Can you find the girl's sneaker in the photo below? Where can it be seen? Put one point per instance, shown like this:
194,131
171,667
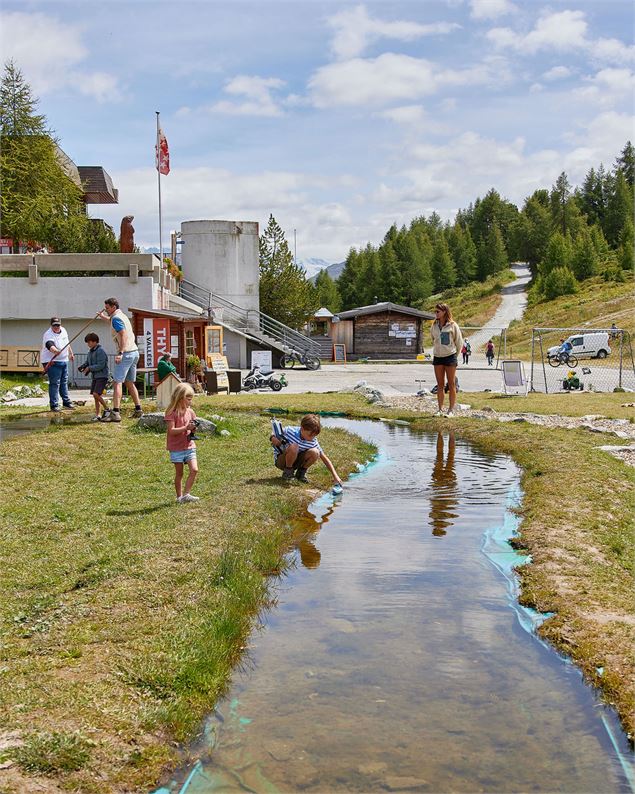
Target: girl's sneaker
438,413
187,497
96,418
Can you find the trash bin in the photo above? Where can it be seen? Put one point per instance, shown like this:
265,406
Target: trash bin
234,376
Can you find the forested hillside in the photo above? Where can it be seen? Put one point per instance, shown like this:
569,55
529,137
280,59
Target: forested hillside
566,235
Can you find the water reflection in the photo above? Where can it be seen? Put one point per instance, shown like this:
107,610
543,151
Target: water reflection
444,496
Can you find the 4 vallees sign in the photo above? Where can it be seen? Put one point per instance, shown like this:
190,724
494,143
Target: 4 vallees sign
156,340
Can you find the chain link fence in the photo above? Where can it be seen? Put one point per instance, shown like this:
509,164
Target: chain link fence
599,359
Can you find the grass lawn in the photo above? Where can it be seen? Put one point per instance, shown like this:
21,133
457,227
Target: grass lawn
124,613
475,304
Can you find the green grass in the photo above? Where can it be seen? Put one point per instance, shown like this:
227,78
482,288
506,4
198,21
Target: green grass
476,303
9,380
122,613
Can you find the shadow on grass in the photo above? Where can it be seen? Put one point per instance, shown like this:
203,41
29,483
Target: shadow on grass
140,511
275,480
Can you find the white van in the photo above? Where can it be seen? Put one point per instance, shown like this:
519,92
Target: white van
594,344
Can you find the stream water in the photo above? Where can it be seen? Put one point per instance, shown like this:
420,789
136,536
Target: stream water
398,658
32,423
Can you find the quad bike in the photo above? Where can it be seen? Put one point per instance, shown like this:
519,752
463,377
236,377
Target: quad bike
256,380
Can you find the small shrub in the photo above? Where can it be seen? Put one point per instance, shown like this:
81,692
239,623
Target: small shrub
559,281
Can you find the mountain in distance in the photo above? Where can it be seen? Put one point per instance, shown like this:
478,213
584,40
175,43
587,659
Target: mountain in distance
313,266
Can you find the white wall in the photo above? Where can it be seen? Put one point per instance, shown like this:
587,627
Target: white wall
223,257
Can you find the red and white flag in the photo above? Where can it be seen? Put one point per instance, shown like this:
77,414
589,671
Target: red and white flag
162,154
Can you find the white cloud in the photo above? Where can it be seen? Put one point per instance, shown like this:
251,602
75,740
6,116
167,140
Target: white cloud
355,30
50,53
257,91
557,73
392,78
490,9
562,31
608,87
406,114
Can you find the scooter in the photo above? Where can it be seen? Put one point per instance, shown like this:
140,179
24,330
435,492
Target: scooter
256,380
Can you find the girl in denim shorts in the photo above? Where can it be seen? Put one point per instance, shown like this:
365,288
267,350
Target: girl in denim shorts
179,419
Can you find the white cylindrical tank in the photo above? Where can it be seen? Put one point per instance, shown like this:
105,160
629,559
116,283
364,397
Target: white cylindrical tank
223,257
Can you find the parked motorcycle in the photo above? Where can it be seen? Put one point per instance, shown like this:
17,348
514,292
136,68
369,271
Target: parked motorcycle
255,379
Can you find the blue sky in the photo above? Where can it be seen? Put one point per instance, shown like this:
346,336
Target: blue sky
338,118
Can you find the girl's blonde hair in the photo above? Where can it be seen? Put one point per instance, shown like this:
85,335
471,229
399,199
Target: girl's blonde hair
443,307
177,403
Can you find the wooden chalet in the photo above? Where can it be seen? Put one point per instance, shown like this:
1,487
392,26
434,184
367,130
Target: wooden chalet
382,330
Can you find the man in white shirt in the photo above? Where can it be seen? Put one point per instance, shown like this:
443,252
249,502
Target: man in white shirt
56,352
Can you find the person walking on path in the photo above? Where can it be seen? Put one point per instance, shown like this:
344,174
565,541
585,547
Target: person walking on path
56,353
489,353
466,352
447,340
180,420
125,360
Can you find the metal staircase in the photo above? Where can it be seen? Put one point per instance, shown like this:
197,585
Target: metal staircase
250,322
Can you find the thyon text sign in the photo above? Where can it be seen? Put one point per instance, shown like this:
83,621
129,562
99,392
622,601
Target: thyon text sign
156,340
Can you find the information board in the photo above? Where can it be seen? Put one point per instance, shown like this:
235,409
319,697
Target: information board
219,365
339,354
263,359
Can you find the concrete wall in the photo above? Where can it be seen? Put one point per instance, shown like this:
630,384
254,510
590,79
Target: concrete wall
79,262
223,257
26,309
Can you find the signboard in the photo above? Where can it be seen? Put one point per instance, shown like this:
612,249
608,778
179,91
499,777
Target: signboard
263,359
339,354
156,340
406,330
219,365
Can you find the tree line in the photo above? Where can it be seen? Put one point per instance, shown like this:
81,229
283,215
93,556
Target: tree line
566,235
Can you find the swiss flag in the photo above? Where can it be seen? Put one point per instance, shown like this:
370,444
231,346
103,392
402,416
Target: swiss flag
162,154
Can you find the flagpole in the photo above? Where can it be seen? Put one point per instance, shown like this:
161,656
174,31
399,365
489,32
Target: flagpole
158,164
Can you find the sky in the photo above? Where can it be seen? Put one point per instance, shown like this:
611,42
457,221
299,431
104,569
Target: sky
337,118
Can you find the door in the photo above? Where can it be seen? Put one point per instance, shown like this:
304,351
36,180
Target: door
213,341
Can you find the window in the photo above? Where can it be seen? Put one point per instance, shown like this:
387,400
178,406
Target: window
576,340
190,346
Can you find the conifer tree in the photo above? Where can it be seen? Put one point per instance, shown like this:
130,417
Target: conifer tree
285,293
327,293
348,282
39,200
463,253
390,276
584,260
626,164
557,255
619,209
443,270
371,276
626,251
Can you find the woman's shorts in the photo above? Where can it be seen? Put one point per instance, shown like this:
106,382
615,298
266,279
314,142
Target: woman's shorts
97,385
446,361
182,455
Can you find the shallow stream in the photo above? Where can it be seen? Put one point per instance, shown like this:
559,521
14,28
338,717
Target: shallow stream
398,658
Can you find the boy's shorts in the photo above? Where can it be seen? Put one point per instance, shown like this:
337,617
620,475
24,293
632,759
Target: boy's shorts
97,385
126,369
297,463
182,455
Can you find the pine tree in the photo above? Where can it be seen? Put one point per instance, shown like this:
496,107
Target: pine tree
443,270
371,284
348,282
626,251
560,201
463,253
327,293
40,202
285,293
584,261
619,209
626,164
390,276
557,255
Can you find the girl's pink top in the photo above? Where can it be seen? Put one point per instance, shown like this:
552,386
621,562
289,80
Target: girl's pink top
180,441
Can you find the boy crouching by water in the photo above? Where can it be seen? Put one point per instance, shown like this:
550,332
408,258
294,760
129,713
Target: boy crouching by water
299,449
179,418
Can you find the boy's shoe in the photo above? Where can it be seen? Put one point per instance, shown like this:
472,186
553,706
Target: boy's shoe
113,416
96,418
300,475
137,413
105,415
187,497
287,475
450,414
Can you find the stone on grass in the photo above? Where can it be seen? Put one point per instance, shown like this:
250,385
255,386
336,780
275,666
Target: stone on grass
223,432
9,396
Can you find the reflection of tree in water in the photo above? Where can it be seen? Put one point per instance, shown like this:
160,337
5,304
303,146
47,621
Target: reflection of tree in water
444,496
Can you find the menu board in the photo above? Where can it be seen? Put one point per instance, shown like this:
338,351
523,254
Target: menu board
218,364
339,354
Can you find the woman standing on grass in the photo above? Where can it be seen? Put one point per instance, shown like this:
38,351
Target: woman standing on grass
447,340
179,419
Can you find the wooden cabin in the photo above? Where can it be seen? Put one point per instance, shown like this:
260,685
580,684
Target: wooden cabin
382,330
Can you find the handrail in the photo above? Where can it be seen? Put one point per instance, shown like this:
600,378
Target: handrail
252,320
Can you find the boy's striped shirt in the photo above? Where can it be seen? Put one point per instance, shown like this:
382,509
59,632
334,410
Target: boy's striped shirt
293,436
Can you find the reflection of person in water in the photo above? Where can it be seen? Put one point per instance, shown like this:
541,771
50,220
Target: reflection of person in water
309,554
444,496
